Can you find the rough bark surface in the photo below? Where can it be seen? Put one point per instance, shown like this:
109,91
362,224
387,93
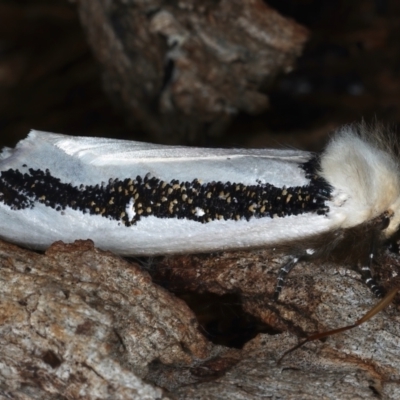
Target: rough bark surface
359,364
81,323
84,324
182,69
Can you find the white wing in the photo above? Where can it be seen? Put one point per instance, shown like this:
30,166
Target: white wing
74,162
86,160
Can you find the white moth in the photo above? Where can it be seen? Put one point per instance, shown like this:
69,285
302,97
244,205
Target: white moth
143,199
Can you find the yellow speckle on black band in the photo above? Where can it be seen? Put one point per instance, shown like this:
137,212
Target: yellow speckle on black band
130,200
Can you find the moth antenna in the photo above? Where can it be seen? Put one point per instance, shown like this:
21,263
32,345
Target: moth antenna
372,312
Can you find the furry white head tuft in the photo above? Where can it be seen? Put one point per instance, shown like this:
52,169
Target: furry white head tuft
365,177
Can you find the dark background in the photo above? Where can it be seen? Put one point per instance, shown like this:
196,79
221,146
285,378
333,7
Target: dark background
350,69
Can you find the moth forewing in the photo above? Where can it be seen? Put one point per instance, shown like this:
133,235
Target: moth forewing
144,199
156,199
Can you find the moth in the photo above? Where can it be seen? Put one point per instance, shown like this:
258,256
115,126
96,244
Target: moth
145,199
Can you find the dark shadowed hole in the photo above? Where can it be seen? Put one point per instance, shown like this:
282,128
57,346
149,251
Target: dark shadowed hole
168,72
222,319
375,391
50,358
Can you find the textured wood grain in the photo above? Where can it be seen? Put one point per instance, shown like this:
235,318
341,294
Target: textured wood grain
81,323
84,323
183,69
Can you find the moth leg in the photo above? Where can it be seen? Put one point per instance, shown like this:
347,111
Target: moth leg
366,275
382,223
283,271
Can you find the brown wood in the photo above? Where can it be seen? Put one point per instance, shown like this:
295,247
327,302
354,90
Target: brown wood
81,323
181,70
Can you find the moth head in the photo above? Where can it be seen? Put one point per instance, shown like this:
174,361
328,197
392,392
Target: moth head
365,174
393,227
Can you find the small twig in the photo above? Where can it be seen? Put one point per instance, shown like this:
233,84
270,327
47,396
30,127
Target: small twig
320,335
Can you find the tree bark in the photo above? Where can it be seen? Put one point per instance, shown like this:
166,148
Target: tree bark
81,323
182,69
